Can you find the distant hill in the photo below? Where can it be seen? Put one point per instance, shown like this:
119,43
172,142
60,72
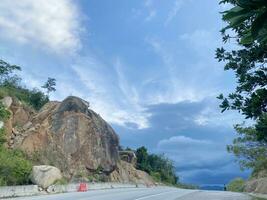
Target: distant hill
212,187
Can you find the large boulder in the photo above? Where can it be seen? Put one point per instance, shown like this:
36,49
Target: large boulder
45,175
71,137
7,101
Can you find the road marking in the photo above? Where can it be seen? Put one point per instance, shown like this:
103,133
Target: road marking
154,195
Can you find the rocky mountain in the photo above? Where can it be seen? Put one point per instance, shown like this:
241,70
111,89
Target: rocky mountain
71,137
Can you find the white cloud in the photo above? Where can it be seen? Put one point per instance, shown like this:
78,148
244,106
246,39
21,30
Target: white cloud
202,41
151,15
178,87
53,25
110,93
174,11
181,140
152,12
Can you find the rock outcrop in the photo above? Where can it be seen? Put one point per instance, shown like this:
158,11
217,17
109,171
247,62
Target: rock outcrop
257,182
71,137
45,175
128,156
256,186
126,172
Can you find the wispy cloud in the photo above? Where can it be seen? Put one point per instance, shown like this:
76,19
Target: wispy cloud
113,96
49,24
152,12
174,11
151,15
178,87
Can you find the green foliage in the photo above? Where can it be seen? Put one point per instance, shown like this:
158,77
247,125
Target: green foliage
6,69
10,85
2,137
158,166
248,23
50,85
250,147
15,169
249,19
247,26
4,113
236,185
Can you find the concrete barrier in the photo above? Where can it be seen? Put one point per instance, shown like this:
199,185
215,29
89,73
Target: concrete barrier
90,186
18,191
31,190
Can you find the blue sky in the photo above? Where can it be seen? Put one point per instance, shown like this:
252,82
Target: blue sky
147,67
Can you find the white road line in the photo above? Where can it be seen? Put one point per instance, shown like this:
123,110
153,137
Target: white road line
154,195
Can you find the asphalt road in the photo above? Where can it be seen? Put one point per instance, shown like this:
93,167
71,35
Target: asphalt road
158,193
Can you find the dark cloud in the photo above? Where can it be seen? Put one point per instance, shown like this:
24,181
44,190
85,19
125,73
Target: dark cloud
198,150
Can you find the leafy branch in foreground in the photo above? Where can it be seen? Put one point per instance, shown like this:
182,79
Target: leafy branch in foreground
247,27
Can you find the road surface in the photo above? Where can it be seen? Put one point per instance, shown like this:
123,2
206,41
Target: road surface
158,193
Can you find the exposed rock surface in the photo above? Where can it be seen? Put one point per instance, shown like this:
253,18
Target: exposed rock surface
257,182
71,137
257,186
7,101
20,114
128,156
45,175
127,173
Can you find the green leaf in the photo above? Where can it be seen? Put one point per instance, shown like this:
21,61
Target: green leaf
258,24
251,4
247,39
234,12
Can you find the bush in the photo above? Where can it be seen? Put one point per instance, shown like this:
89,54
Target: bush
15,169
34,98
158,166
236,185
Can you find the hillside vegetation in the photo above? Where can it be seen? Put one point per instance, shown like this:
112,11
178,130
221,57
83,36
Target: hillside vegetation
15,168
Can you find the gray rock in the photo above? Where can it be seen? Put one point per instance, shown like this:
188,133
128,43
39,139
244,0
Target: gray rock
128,156
45,175
7,101
257,186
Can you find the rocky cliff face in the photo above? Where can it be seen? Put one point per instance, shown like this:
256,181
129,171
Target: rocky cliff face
71,137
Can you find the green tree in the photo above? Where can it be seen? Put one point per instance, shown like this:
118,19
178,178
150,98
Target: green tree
158,166
50,85
247,23
15,169
247,27
236,185
142,159
6,69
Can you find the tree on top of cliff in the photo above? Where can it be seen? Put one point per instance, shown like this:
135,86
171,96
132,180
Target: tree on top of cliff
50,85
